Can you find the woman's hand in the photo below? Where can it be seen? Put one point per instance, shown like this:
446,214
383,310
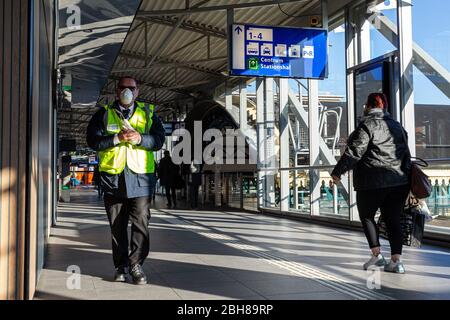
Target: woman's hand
336,179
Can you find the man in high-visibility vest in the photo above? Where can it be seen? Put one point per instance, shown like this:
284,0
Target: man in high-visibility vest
125,134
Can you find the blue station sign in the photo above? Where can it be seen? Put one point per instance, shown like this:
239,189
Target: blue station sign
263,51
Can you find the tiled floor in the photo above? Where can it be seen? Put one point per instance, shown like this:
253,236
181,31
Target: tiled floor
230,255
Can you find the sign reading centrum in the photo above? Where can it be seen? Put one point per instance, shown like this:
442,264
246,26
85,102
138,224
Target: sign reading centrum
263,51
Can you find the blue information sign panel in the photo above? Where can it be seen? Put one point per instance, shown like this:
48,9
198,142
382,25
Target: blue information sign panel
263,51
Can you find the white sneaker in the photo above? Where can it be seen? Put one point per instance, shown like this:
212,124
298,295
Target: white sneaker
395,267
377,261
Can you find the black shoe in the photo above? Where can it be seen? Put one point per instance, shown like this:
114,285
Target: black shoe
169,206
120,275
138,274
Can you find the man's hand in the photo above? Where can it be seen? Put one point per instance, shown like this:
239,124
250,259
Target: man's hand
129,136
336,179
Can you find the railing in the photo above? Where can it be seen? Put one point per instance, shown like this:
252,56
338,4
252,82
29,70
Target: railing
239,190
334,202
324,112
438,203
332,199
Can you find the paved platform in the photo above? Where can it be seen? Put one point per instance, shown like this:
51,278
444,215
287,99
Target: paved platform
230,255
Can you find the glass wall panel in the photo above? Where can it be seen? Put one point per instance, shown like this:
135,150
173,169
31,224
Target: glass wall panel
439,201
233,192
299,132
333,125
249,188
367,80
299,147
299,191
431,81
334,199
271,145
333,95
431,58
277,189
375,26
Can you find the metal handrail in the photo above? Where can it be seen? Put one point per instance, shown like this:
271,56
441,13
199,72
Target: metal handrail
332,166
323,112
298,168
437,160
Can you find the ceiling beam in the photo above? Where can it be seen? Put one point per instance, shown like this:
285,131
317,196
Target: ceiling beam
74,111
172,33
204,60
189,26
190,43
139,26
187,64
174,12
161,61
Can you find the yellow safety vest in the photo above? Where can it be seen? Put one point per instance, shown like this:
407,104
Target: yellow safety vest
138,159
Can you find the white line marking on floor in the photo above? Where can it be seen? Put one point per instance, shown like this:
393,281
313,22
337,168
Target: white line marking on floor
313,273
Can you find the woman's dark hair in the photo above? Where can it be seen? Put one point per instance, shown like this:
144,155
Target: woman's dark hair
374,99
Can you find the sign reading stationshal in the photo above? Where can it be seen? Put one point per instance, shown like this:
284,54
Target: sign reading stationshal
262,51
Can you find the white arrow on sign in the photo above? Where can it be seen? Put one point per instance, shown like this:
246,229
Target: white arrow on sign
238,47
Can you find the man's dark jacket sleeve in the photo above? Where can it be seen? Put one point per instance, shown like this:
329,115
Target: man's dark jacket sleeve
96,137
356,148
156,137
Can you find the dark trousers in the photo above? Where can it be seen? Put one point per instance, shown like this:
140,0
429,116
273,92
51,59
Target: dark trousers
194,195
99,190
391,202
171,195
120,211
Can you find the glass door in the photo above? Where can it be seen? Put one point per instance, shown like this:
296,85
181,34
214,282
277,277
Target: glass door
374,76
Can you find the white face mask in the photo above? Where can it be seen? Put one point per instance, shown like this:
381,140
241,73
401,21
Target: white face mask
126,97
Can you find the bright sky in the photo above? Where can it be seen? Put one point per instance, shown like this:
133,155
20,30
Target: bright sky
431,31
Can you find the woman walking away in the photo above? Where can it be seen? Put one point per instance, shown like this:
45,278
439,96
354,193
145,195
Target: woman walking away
379,157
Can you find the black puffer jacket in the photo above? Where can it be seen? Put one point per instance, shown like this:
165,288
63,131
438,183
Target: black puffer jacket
377,153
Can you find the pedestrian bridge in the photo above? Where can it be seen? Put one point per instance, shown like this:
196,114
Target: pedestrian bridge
210,254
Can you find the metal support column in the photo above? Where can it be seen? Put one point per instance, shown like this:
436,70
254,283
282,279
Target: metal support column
284,143
261,141
228,98
325,19
406,71
217,188
243,105
227,184
206,189
270,157
335,199
314,146
228,89
351,57
364,41
241,191
55,177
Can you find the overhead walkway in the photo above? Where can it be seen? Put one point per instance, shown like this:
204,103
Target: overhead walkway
229,255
